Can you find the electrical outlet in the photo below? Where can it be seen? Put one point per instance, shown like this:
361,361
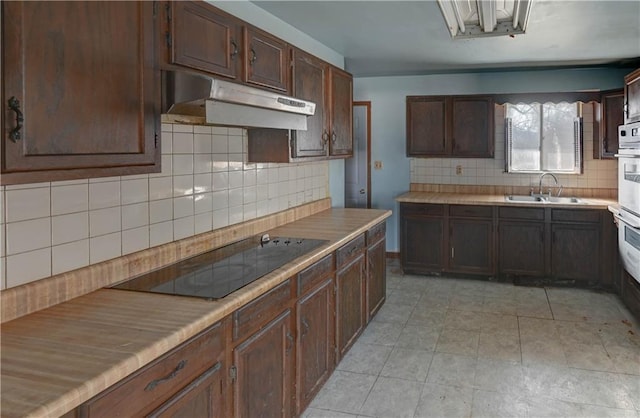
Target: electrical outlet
377,165
458,170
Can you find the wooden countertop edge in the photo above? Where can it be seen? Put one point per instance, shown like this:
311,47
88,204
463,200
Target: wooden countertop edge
496,200
216,311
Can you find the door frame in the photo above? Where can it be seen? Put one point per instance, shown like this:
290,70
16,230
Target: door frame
367,105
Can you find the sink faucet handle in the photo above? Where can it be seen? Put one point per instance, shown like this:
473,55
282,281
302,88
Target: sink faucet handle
559,190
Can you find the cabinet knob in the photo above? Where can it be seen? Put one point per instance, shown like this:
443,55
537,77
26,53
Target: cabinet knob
334,137
254,57
234,52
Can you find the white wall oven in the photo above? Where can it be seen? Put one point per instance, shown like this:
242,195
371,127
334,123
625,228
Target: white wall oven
629,197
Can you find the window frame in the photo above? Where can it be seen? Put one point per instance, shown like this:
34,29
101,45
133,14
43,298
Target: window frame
578,141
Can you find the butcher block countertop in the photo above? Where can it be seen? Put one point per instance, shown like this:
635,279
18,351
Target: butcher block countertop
497,200
53,360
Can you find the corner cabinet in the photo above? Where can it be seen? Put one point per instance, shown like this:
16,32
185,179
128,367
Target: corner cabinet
450,126
608,115
89,105
632,96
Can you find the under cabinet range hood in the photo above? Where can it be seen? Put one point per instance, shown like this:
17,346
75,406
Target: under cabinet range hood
221,102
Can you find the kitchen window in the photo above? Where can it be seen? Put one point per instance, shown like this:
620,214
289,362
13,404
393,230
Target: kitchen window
543,138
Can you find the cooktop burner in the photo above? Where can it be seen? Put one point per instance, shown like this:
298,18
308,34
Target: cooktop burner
217,273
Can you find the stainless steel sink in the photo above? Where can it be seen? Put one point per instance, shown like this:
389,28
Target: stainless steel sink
542,199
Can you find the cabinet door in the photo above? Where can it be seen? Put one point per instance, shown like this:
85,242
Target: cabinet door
309,83
205,38
632,96
421,243
521,248
608,115
266,60
201,398
472,126
350,310
376,277
426,126
85,77
575,252
264,371
316,342
341,105
471,246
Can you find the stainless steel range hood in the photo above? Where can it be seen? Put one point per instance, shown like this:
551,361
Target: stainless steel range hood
220,102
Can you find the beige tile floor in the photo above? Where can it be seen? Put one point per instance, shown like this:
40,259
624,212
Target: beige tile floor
443,347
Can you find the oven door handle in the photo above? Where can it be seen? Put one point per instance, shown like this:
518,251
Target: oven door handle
627,221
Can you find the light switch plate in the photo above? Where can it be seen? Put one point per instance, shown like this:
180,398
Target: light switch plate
377,165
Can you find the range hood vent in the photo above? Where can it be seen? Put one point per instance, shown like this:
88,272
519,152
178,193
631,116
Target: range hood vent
220,102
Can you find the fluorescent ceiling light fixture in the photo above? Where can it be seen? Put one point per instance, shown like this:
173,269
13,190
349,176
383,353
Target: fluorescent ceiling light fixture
478,18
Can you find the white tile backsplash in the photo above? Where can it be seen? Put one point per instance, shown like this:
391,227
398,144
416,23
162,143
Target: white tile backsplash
205,184
485,171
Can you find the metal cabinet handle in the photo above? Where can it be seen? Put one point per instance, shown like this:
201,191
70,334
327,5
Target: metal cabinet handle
154,383
305,324
14,104
254,57
234,52
334,137
325,138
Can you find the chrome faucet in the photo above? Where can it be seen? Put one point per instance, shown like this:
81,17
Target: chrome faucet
554,178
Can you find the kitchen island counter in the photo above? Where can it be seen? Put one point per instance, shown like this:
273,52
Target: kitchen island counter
53,360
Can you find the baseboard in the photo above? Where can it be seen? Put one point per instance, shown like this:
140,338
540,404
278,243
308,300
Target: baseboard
393,255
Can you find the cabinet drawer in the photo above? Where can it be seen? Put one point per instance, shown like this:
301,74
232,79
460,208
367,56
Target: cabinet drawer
533,214
471,211
146,389
421,209
376,233
258,312
314,274
349,250
575,215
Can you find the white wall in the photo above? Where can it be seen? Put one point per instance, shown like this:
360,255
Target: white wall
388,115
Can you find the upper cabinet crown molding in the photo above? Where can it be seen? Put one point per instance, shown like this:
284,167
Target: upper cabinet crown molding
90,105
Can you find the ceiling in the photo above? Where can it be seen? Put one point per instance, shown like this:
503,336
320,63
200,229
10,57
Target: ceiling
382,38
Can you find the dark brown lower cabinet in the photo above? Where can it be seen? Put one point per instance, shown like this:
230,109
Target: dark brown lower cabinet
471,246
263,384
316,341
421,243
521,248
630,293
376,277
350,309
575,252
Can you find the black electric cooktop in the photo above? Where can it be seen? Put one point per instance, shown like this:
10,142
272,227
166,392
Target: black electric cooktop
217,273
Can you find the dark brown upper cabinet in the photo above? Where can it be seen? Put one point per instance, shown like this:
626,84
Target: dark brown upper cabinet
608,115
80,92
310,83
632,96
340,113
266,60
450,126
204,38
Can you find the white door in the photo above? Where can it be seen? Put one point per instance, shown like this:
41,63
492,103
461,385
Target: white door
357,168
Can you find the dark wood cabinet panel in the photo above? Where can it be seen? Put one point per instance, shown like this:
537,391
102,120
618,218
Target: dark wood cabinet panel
264,371
310,83
457,126
256,313
266,60
632,96
316,341
341,113
426,126
85,77
521,248
376,277
205,38
471,246
472,126
202,398
575,252
350,304
421,244
608,115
